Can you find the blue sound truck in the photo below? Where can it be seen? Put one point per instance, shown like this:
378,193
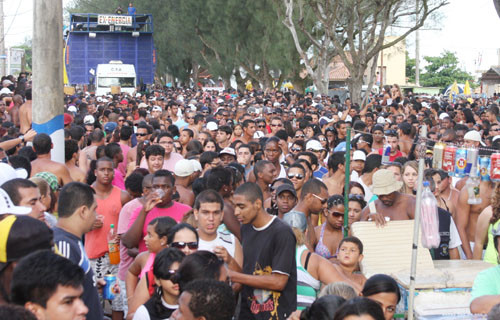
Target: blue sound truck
106,50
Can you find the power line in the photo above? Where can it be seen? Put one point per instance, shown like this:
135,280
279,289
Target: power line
12,22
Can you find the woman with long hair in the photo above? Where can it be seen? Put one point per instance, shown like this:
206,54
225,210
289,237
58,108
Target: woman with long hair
410,174
163,302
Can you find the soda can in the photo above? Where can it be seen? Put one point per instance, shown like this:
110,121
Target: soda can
471,165
449,159
386,153
484,168
460,162
109,291
495,167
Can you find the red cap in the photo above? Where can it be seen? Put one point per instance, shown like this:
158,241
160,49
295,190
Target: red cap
124,101
67,119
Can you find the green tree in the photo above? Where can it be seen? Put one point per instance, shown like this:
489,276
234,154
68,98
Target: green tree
441,71
410,68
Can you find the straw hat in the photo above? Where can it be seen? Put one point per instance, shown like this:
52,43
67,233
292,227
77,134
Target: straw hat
384,182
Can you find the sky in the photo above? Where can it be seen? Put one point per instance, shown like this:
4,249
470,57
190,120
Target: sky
470,28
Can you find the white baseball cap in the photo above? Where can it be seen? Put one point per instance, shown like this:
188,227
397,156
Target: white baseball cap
358,155
7,206
72,109
89,119
8,173
473,135
314,145
228,150
184,168
212,126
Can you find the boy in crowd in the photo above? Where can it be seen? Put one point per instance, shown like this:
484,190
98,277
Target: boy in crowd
349,257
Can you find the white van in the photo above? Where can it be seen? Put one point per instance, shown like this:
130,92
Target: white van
115,73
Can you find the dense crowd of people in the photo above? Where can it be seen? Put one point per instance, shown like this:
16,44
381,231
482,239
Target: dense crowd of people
229,205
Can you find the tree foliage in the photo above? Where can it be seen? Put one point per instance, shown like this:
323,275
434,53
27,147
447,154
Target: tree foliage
410,68
221,37
353,29
443,70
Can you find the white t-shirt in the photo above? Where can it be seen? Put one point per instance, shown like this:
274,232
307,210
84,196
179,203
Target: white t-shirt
224,239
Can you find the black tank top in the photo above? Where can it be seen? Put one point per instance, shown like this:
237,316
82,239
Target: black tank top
442,252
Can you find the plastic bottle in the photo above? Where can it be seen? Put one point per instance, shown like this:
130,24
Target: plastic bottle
114,248
472,186
429,220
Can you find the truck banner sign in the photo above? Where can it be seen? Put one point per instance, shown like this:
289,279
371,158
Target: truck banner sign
114,20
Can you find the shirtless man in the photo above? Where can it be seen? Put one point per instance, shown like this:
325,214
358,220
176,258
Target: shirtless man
25,113
14,112
390,203
248,131
71,152
336,168
184,177
42,144
468,214
89,153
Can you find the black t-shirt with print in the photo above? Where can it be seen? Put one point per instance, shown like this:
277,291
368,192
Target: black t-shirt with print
266,250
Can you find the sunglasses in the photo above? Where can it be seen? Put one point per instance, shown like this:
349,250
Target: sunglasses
299,136
323,200
336,214
261,126
169,275
182,245
297,175
356,197
322,139
141,134
275,125
121,120
296,149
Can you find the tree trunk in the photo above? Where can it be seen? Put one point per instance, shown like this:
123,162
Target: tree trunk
240,82
321,74
355,85
195,75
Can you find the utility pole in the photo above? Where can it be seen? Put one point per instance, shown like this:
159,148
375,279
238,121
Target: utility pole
417,50
2,41
48,104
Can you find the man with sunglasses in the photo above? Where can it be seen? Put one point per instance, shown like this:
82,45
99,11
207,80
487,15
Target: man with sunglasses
312,202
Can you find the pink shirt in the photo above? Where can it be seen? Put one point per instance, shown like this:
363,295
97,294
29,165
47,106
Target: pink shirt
167,164
122,166
123,221
118,180
176,212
